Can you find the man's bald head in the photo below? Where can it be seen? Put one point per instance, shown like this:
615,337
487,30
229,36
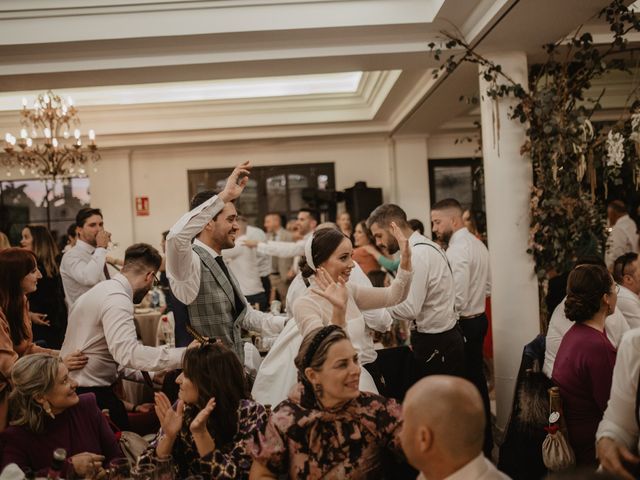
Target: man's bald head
449,413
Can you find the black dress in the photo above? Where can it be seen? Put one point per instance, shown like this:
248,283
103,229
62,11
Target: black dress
49,299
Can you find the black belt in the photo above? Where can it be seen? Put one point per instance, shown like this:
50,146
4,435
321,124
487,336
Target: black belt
472,316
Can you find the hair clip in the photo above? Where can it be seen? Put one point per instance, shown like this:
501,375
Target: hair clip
203,340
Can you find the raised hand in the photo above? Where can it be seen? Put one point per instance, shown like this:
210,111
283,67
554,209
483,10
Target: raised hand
170,419
199,424
335,292
75,361
403,244
236,182
103,238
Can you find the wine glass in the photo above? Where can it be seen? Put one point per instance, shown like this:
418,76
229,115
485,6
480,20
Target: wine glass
119,469
144,472
164,468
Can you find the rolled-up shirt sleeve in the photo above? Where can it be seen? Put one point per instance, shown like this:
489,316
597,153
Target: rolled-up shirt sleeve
183,264
120,334
282,249
267,324
619,420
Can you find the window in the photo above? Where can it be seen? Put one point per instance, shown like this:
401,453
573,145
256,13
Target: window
49,203
462,179
284,189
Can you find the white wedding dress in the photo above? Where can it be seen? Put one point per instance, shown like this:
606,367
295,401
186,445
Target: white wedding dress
278,374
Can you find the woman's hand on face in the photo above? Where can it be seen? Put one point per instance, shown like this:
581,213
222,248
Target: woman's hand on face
199,424
335,292
86,463
403,244
75,361
611,455
170,419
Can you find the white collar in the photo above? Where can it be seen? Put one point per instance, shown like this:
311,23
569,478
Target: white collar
458,234
474,469
82,245
210,250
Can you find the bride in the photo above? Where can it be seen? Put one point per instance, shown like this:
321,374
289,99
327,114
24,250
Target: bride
327,265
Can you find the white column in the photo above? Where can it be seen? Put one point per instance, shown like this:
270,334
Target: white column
408,156
508,181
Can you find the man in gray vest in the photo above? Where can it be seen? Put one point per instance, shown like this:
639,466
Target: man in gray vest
198,275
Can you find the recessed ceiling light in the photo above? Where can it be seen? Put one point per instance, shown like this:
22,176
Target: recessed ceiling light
239,88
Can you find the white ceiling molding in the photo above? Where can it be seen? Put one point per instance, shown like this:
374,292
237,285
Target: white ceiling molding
75,21
179,117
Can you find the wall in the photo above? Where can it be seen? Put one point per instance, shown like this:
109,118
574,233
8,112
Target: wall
398,166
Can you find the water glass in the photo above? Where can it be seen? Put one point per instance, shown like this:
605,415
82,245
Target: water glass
119,469
144,472
164,468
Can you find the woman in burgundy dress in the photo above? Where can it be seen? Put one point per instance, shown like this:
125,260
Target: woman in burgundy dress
584,365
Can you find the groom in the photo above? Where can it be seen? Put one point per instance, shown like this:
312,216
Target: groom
198,275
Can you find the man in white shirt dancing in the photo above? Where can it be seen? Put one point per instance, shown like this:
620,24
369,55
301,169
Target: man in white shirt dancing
84,265
199,277
101,326
436,339
469,260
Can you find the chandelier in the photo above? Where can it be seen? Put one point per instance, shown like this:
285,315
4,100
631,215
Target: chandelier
50,143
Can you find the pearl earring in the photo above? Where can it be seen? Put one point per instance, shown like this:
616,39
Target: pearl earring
47,408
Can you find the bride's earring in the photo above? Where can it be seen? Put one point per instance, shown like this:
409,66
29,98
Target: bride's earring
319,391
47,408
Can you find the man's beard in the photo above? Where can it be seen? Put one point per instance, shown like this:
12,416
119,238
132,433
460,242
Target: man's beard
445,236
392,246
139,295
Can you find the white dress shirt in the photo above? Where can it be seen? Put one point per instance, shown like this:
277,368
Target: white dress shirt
619,420
615,327
243,262
480,468
431,299
622,239
469,260
629,305
101,326
264,260
284,249
81,268
184,265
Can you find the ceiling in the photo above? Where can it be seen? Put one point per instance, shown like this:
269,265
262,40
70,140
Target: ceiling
203,70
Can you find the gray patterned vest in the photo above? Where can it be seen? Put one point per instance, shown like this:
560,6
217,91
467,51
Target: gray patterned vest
212,313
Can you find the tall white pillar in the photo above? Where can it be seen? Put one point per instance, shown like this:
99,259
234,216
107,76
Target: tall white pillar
508,181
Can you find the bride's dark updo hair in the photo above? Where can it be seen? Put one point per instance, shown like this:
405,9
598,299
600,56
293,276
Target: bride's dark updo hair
585,288
325,242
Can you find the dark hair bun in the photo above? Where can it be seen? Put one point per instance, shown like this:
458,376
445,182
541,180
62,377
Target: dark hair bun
585,288
580,309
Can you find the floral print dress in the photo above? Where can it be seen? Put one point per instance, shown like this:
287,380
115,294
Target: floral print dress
304,441
231,461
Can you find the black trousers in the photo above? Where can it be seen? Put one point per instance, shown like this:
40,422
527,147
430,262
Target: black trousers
438,353
474,330
107,399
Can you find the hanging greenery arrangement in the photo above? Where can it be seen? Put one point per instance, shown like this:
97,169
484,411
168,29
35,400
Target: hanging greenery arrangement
575,163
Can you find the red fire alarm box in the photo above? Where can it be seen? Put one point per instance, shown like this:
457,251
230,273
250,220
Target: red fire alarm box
142,206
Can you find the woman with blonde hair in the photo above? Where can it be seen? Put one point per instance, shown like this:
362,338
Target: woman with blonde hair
47,302
46,413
